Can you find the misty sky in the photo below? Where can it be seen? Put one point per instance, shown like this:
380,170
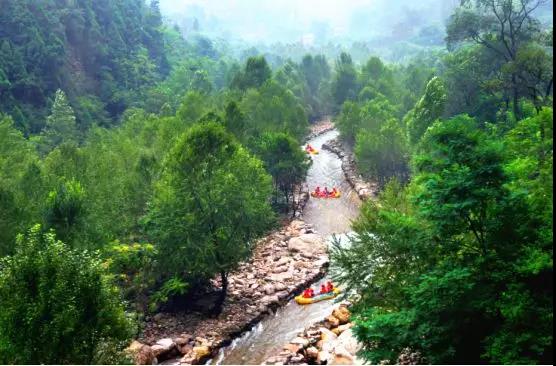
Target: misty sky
260,20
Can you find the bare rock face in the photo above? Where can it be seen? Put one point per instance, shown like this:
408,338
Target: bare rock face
164,349
308,245
141,353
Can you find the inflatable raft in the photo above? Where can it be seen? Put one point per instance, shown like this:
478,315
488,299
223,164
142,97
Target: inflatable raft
311,300
311,150
315,195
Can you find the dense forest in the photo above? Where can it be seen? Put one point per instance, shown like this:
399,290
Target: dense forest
137,164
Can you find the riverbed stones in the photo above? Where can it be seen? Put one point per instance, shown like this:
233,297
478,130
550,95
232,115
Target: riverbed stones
365,190
324,346
255,290
307,245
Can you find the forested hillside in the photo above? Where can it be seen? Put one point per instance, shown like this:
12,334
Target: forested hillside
101,53
138,165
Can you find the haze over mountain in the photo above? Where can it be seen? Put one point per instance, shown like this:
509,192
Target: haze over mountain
309,21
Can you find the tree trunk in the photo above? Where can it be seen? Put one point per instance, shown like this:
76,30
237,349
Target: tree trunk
222,296
515,97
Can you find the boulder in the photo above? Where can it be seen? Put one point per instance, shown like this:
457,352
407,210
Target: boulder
182,340
280,269
293,347
332,322
342,360
346,341
141,353
312,353
163,348
326,335
343,314
297,224
267,300
304,342
269,289
186,349
342,328
200,353
323,357
307,244
281,277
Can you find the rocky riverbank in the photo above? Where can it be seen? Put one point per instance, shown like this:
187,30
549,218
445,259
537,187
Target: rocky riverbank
329,342
365,190
320,128
283,263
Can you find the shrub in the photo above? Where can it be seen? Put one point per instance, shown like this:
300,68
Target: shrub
57,305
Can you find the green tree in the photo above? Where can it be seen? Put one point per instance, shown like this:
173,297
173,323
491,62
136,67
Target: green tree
17,157
427,110
344,82
286,163
254,75
60,125
274,108
382,154
58,305
65,211
504,28
428,258
209,206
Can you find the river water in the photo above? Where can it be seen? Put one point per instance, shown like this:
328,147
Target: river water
328,217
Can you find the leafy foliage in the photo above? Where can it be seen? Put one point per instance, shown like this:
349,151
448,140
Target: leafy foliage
428,258
285,162
58,305
210,204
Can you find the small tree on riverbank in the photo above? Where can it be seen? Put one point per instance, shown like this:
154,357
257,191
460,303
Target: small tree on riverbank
211,203
287,164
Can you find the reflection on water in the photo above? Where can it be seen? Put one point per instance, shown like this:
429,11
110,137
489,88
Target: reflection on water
328,216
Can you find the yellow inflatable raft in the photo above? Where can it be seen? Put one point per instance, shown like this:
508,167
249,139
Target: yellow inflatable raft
311,151
311,300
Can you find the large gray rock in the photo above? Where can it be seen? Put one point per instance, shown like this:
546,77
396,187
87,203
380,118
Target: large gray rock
307,244
346,341
163,348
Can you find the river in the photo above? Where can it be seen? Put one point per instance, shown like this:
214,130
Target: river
328,217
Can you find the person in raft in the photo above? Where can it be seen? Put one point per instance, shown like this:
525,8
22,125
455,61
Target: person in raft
326,193
329,286
334,192
308,293
317,191
323,289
